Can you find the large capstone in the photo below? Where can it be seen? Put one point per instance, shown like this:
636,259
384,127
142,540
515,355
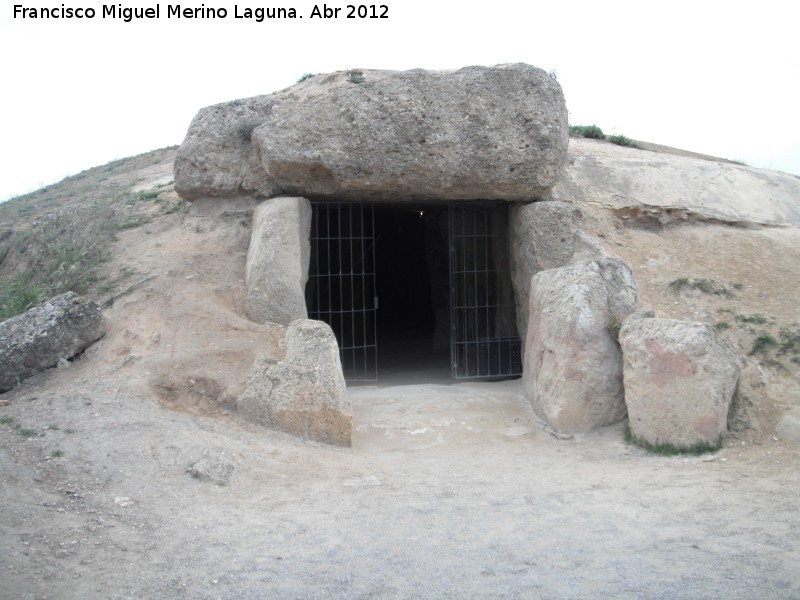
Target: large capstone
37,339
217,158
572,363
477,133
680,379
304,394
277,261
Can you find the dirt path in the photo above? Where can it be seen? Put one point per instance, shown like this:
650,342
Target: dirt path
448,492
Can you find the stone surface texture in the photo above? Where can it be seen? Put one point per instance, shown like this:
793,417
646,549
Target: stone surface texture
218,158
542,236
664,187
476,133
680,378
277,261
37,339
304,394
572,362
788,427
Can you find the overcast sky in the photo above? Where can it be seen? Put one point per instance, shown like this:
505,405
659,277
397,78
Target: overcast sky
720,78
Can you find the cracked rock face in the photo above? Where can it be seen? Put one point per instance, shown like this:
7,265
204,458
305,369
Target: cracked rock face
37,339
477,133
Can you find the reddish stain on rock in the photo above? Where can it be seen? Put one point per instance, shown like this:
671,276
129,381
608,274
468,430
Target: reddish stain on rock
668,366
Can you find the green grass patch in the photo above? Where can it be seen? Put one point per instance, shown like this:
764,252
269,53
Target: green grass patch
6,420
57,253
26,432
621,140
56,454
20,293
763,343
304,76
355,76
132,223
62,251
594,132
722,326
751,319
666,449
146,195
587,131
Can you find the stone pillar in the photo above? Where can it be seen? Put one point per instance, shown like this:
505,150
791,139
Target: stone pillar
573,363
541,237
304,394
277,261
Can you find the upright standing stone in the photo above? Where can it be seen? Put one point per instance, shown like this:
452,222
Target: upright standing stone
573,364
680,378
305,393
277,261
542,237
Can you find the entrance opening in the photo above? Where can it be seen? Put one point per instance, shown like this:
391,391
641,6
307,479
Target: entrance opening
412,283
414,292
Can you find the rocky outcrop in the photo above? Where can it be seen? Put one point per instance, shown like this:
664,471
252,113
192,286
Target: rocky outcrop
476,133
572,363
37,339
304,394
277,261
660,188
680,378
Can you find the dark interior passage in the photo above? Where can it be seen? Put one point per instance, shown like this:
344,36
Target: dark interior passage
401,273
414,293
412,283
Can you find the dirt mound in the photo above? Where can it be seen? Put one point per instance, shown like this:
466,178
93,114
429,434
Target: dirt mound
128,475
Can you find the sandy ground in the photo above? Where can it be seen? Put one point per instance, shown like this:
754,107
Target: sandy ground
448,492
129,475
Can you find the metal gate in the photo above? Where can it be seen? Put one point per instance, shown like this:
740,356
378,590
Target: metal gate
341,286
483,336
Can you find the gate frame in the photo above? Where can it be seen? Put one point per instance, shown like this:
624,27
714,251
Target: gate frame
354,325
475,312
474,352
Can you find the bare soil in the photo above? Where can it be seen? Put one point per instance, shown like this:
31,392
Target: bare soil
128,475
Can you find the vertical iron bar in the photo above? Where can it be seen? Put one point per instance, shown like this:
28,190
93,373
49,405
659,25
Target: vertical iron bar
363,306
329,267
373,277
476,352
329,306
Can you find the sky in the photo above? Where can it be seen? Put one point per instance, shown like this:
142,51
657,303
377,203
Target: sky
720,78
